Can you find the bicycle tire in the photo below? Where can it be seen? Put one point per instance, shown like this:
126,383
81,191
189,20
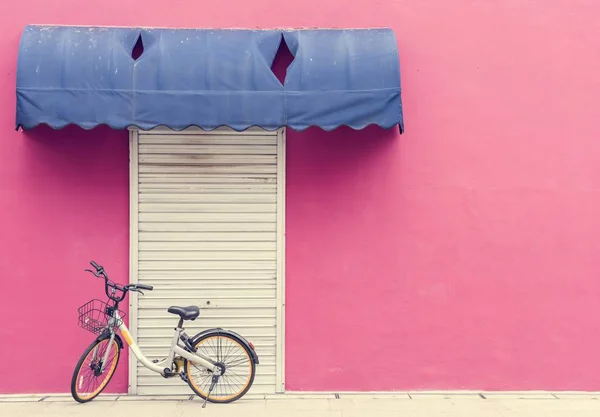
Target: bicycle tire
76,379
228,398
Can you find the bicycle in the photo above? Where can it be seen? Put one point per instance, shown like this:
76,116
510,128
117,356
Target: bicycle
235,363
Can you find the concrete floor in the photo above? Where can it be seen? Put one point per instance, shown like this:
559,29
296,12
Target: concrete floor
347,405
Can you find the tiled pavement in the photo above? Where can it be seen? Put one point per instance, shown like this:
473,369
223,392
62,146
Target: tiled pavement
421,404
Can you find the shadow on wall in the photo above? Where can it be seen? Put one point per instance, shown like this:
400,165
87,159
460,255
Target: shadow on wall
342,159
76,157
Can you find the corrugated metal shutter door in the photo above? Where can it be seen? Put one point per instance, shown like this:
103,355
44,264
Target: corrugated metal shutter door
207,236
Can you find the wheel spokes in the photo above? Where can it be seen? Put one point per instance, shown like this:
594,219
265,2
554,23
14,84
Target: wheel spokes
233,358
87,383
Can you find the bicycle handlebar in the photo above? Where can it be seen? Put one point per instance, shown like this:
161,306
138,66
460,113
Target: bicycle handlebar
139,288
116,287
144,287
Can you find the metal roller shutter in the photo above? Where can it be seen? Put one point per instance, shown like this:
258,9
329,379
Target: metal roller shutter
209,233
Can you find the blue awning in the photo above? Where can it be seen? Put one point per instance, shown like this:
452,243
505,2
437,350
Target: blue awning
87,76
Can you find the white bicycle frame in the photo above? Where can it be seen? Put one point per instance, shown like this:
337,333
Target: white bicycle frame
159,367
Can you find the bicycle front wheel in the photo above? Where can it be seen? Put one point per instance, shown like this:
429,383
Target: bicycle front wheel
91,374
237,368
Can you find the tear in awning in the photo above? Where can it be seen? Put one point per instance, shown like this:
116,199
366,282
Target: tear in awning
89,76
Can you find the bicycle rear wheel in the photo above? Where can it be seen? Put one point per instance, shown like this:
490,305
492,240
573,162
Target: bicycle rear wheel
237,368
89,380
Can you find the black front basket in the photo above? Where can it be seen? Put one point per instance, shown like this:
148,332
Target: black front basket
96,316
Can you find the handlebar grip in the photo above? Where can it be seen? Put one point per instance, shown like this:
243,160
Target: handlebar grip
144,287
95,265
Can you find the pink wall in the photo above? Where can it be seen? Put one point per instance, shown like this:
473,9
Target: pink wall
462,255
64,201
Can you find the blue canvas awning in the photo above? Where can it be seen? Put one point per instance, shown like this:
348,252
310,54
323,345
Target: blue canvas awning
87,76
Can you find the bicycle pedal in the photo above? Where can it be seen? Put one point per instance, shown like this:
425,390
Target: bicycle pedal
168,373
184,377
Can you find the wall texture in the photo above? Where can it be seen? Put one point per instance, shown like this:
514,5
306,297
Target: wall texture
461,255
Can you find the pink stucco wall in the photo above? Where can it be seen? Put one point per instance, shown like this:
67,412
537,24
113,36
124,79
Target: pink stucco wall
462,255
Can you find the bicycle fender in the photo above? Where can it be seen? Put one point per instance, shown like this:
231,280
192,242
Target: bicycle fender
233,334
106,335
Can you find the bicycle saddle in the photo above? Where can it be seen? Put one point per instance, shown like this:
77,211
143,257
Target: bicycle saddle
186,313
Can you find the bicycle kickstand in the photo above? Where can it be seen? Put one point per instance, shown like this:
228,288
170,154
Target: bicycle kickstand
215,379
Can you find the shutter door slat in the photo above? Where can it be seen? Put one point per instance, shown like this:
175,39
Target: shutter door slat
207,227
247,169
207,236
206,245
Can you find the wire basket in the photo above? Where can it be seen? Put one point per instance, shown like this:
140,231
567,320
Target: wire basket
95,316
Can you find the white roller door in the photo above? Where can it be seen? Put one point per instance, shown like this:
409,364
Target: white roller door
207,230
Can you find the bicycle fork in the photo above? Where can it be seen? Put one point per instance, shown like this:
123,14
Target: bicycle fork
105,357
